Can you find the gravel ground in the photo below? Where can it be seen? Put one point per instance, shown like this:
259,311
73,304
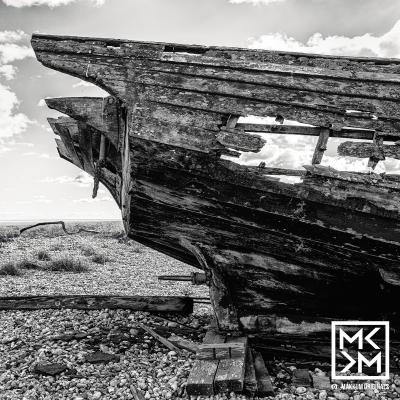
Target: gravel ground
140,367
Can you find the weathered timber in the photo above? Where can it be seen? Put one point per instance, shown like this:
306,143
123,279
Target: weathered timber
276,171
264,383
320,147
231,368
101,113
250,380
183,343
220,351
97,62
279,258
158,337
137,303
367,150
201,377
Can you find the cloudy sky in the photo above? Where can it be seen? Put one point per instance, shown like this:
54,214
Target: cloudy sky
36,184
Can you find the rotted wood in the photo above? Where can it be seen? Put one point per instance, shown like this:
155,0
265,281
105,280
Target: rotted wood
372,87
137,303
377,151
351,133
65,136
224,310
100,113
270,250
320,146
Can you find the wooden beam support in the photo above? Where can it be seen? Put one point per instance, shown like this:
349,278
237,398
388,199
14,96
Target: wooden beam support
350,133
321,146
250,379
222,303
231,370
201,378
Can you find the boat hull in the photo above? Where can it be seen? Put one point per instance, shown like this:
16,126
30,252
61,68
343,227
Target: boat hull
279,257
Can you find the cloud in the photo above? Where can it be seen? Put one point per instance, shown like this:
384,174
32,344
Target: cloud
36,199
82,83
41,103
8,71
34,154
256,2
14,45
49,3
95,200
13,36
288,151
368,45
11,122
81,180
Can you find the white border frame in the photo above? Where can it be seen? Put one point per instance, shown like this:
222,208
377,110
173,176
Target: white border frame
335,324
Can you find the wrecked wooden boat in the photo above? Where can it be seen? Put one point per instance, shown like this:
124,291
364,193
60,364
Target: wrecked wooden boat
279,258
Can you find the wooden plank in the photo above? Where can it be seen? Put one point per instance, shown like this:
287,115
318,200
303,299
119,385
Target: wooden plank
230,373
301,377
242,105
250,380
317,100
183,343
100,113
367,150
182,52
219,351
276,171
351,133
320,147
264,382
201,377
158,337
86,148
240,140
311,79
85,302
66,138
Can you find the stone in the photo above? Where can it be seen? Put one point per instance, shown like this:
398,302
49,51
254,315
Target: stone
321,382
101,357
322,395
96,395
301,390
341,396
50,369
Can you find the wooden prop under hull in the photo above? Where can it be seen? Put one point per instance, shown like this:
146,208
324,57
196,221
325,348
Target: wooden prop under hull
281,258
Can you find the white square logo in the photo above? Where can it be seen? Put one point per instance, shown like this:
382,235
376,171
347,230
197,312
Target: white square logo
360,348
